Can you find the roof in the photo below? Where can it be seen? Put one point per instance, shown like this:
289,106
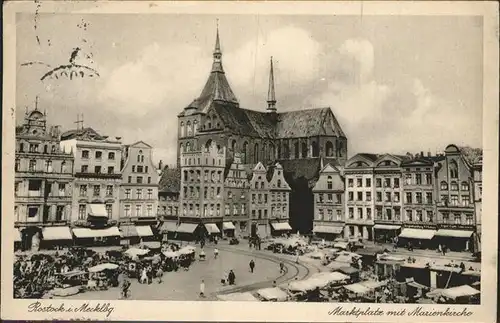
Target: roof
170,180
305,123
297,171
74,133
471,155
426,160
246,122
371,157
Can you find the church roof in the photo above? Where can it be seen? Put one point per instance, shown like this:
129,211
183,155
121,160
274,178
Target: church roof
246,122
304,123
74,133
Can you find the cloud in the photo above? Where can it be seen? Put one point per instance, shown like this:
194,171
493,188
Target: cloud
362,52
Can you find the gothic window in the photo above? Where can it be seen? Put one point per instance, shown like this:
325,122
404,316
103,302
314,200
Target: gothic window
444,185
329,182
304,150
256,153
208,144
278,156
188,146
208,123
465,186
233,146
329,149
315,149
264,151
189,129
453,169
195,127
296,150
182,129
339,149
245,153
271,152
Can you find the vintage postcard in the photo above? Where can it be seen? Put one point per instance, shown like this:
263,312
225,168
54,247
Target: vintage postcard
250,161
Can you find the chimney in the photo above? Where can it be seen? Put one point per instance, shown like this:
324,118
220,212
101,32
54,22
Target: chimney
160,165
429,154
422,154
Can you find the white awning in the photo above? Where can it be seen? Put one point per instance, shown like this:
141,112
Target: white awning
281,226
144,231
239,297
212,228
417,234
387,227
56,233
228,226
98,210
358,288
186,227
460,291
17,236
328,229
127,231
454,233
169,226
96,233
272,294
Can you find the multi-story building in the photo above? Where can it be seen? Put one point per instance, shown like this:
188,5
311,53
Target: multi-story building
236,188
359,176
477,171
387,195
259,202
43,179
202,190
329,203
455,209
279,192
168,200
297,139
138,192
95,203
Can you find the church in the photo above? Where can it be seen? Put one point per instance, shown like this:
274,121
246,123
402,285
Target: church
301,141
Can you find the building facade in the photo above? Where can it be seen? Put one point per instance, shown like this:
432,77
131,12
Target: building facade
259,202
359,177
388,201
43,184
138,192
329,203
477,170
236,188
202,190
168,200
279,192
96,187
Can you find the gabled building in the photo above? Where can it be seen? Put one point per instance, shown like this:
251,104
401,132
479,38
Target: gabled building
279,201
477,171
236,188
43,179
168,200
329,203
138,192
259,202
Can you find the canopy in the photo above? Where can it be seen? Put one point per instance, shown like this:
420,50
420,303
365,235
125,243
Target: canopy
347,257
272,294
144,231
98,210
454,233
472,273
348,270
132,252
186,227
228,226
372,284
281,226
334,265
306,285
316,255
212,228
56,233
341,244
186,250
357,288
96,233
460,291
152,244
102,267
411,282
328,229
169,226
128,231
417,234
387,227
239,297
170,254
73,273
328,278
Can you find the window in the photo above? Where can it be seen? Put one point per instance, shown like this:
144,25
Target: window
129,180
21,147
83,190
446,217
97,190
85,154
408,179
368,196
17,164
428,179
243,209
454,186
368,182
97,169
351,213
127,193
430,216
226,209
138,194
408,198
453,169
388,214
351,196
59,213
85,168
360,196
127,210
111,156
378,182
465,186
109,210
329,182
150,193
339,215
387,182
320,214
465,200
48,166
138,210
396,197
62,189
350,182
419,216
444,186
454,200
279,183
387,196
339,198
379,197
418,179
16,188
396,183
98,155
360,213
265,198
63,167
149,179
457,219
418,197
359,182
82,208
469,219
109,190
330,197
139,179
397,214
139,169
330,215
111,170
409,215
32,165
149,210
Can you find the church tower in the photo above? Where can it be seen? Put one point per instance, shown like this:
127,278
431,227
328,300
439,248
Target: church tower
271,95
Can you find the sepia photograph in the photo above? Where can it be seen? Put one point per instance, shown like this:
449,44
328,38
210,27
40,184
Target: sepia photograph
248,157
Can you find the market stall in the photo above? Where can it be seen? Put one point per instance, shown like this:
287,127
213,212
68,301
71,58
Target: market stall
273,294
238,297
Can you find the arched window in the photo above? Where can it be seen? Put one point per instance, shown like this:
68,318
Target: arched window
264,151
278,155
329,149
454,186
233,146
330,182
444,186
271,152
315,149
45,149
304,150
21,147
245,153
182,129
181,148
189,129
465,186
279,182
188,146
195,127
208,144
453,169
256,153
63,167
208,123
256,185
261,185
140,157
286,149
339,148
296,150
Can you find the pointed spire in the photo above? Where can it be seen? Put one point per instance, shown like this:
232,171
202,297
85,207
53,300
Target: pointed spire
271,95
217,64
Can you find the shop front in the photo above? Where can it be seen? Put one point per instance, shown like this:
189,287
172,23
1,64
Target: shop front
229,229
168,229
128,235
30,238
385,233
455,239
17,240
213,231
56,237
280,228
417,237
88,237
328,231
186,231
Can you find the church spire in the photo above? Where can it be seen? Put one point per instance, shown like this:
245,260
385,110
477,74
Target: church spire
217,64
271,95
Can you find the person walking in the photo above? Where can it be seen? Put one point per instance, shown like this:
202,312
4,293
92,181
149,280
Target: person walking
252,265
159,275
216,253
282,268
202,288
231,277
144,276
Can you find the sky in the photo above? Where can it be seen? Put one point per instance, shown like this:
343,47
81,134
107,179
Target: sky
396,84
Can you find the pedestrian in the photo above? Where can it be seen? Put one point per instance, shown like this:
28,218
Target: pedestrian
440,249
224,279
202,288
231,277
216,253
144,276
444,250
297,257
274,283
252,265
125,288
159,275
282,268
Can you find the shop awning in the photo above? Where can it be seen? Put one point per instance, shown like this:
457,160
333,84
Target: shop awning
281,226
17,236
272,294
98,210
228,226
128,231
212,228
144,231
386,227
460,291
328,229
186,227
239,297
357,288
417,234
96,233
56,233
454,233
169,226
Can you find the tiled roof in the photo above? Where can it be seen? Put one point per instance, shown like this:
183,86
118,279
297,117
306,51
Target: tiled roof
70,134
245,122
297,171
304,123
372,157
170,180
217,88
